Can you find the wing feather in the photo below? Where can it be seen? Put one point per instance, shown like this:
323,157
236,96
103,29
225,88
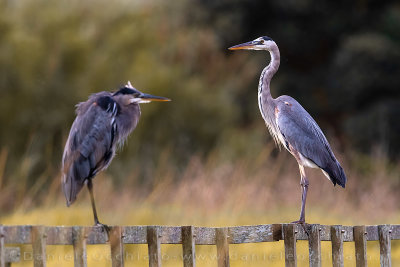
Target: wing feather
89,147
302,132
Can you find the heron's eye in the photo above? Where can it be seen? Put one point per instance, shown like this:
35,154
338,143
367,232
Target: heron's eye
262,41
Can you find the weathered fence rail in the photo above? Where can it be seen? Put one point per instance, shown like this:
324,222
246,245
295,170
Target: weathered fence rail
189,236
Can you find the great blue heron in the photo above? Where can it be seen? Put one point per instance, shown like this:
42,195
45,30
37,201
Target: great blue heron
291,126
102,123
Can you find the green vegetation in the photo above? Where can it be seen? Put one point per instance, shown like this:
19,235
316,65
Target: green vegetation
54,54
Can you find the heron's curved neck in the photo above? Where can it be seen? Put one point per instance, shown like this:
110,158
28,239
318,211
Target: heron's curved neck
265,101
269,71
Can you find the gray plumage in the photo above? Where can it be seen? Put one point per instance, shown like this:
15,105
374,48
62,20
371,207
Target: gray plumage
303,134
102,123
291,126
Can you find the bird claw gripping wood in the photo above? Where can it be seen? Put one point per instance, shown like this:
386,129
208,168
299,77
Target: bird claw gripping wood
306,226
104,228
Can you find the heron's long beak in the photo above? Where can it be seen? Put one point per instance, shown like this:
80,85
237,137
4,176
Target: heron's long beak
148,98
248,45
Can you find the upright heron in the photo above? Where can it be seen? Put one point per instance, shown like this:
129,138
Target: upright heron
102,123
291,126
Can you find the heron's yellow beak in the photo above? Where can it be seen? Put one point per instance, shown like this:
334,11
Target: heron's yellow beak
149,98
248,45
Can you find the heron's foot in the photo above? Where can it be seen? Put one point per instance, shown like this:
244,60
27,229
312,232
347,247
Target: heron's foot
104,227
304,225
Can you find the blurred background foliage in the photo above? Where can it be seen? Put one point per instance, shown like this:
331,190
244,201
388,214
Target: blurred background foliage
340,59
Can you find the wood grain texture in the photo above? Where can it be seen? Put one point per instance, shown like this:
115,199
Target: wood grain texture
360,243
189,236
385,245
79,236
222,247
289,236
337,246
314,245
38,234
62,235
251,234
2,248
154,246
117,247
188,246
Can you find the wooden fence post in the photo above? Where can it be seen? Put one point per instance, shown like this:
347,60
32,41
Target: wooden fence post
188,246
38,234
2,248
221,236
79,236
7,254
337,246
360,243
154,245
385,246
289,237
117,247
314,245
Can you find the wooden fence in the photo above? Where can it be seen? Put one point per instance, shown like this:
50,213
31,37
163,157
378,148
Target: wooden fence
189,236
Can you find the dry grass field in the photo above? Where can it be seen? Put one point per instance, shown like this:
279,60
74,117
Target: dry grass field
264,190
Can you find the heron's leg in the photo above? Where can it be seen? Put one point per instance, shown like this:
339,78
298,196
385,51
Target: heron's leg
304,188
96,219
90,188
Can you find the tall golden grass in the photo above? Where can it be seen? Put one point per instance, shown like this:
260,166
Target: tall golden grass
214,192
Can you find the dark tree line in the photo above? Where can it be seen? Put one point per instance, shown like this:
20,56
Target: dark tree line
340,59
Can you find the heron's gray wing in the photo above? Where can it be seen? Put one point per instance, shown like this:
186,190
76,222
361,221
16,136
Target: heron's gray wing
90,145
301,132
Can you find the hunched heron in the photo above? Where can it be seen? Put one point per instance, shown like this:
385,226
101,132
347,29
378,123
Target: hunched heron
102,123
291,126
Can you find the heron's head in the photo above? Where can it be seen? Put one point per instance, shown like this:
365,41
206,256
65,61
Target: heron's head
261,43
130,95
